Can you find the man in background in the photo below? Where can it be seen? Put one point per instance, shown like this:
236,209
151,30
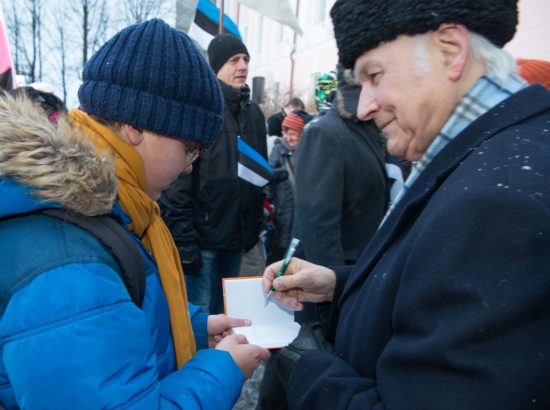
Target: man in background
215,213
274,123
339,204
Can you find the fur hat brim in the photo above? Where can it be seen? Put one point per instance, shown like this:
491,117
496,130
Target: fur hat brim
360,25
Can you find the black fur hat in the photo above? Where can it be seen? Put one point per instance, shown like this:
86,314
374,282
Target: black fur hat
361,25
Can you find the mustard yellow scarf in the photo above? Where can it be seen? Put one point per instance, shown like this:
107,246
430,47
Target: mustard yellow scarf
148,226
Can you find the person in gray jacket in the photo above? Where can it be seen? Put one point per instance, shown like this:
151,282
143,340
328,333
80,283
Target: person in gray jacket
282,194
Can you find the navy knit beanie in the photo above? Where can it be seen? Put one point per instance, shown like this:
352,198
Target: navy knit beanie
222,48
151,76
360,25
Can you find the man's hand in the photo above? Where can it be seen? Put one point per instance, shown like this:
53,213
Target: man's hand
302,282
246,356
219,326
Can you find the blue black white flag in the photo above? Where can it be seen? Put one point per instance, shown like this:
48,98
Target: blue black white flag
252,167
206,24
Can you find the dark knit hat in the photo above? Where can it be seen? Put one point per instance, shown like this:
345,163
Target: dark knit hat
222,48
361,25
151,76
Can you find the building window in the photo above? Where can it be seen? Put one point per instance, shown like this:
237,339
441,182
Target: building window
278,32
320,11
258,44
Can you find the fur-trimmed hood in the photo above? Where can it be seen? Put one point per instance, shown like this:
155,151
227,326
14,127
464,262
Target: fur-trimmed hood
59,164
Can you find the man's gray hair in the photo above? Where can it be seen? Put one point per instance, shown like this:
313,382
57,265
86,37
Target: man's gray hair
498,62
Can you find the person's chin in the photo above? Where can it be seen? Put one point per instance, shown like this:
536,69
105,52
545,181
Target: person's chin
395,145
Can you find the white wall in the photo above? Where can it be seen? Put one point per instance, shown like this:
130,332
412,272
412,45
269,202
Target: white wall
316,50
532,39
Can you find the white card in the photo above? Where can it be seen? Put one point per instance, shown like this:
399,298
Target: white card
272,326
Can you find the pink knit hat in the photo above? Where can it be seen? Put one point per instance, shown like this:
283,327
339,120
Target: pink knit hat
294,122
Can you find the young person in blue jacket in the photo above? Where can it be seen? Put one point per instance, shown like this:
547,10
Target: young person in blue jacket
71,337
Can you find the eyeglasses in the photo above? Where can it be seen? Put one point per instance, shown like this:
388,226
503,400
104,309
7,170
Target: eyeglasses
193,150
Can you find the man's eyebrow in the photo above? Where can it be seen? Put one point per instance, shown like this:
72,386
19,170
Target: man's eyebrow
360,69
364,68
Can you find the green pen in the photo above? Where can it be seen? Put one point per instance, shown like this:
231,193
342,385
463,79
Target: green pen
288,256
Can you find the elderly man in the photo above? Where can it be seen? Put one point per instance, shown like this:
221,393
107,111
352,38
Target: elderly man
447,308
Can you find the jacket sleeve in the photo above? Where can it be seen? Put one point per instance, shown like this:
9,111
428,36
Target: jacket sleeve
199,322
72,338
319,192
275,160
470,320
263,134
177,211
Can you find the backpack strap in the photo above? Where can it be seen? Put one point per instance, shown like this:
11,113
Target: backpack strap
118,241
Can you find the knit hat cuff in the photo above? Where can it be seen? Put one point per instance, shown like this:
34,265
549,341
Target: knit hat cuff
294,122
149,111
535,71
222,48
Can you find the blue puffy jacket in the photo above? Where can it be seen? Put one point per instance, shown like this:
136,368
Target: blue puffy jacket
72,338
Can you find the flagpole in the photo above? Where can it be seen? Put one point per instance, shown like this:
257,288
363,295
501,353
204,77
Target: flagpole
221,16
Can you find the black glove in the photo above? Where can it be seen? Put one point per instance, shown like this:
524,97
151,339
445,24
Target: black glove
191,262
191,269
312,336
279,175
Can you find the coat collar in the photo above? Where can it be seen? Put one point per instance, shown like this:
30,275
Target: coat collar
522,105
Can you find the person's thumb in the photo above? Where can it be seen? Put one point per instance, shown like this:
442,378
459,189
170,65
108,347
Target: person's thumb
241,339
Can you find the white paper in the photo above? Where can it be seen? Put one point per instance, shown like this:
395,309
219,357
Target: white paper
272,325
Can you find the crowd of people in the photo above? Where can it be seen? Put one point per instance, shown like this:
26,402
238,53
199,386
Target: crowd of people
418,191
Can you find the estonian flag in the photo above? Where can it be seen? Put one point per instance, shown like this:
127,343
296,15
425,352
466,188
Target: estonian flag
7,73
206,24
252,167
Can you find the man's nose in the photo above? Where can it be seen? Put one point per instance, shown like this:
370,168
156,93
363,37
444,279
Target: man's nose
367,105
242,64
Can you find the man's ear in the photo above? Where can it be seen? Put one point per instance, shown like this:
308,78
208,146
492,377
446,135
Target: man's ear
454,45
133,135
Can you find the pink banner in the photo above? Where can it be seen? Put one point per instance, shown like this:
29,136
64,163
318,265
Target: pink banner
6,65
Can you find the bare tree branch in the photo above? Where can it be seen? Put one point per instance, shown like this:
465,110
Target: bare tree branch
136,11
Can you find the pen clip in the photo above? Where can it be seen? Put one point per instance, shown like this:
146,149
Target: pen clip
290,251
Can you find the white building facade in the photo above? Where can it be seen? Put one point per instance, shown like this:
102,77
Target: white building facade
291,64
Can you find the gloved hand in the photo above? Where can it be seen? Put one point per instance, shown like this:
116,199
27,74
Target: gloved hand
312,336
191,269
279,175
191,262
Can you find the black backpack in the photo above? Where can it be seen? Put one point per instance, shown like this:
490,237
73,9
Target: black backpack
115,238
